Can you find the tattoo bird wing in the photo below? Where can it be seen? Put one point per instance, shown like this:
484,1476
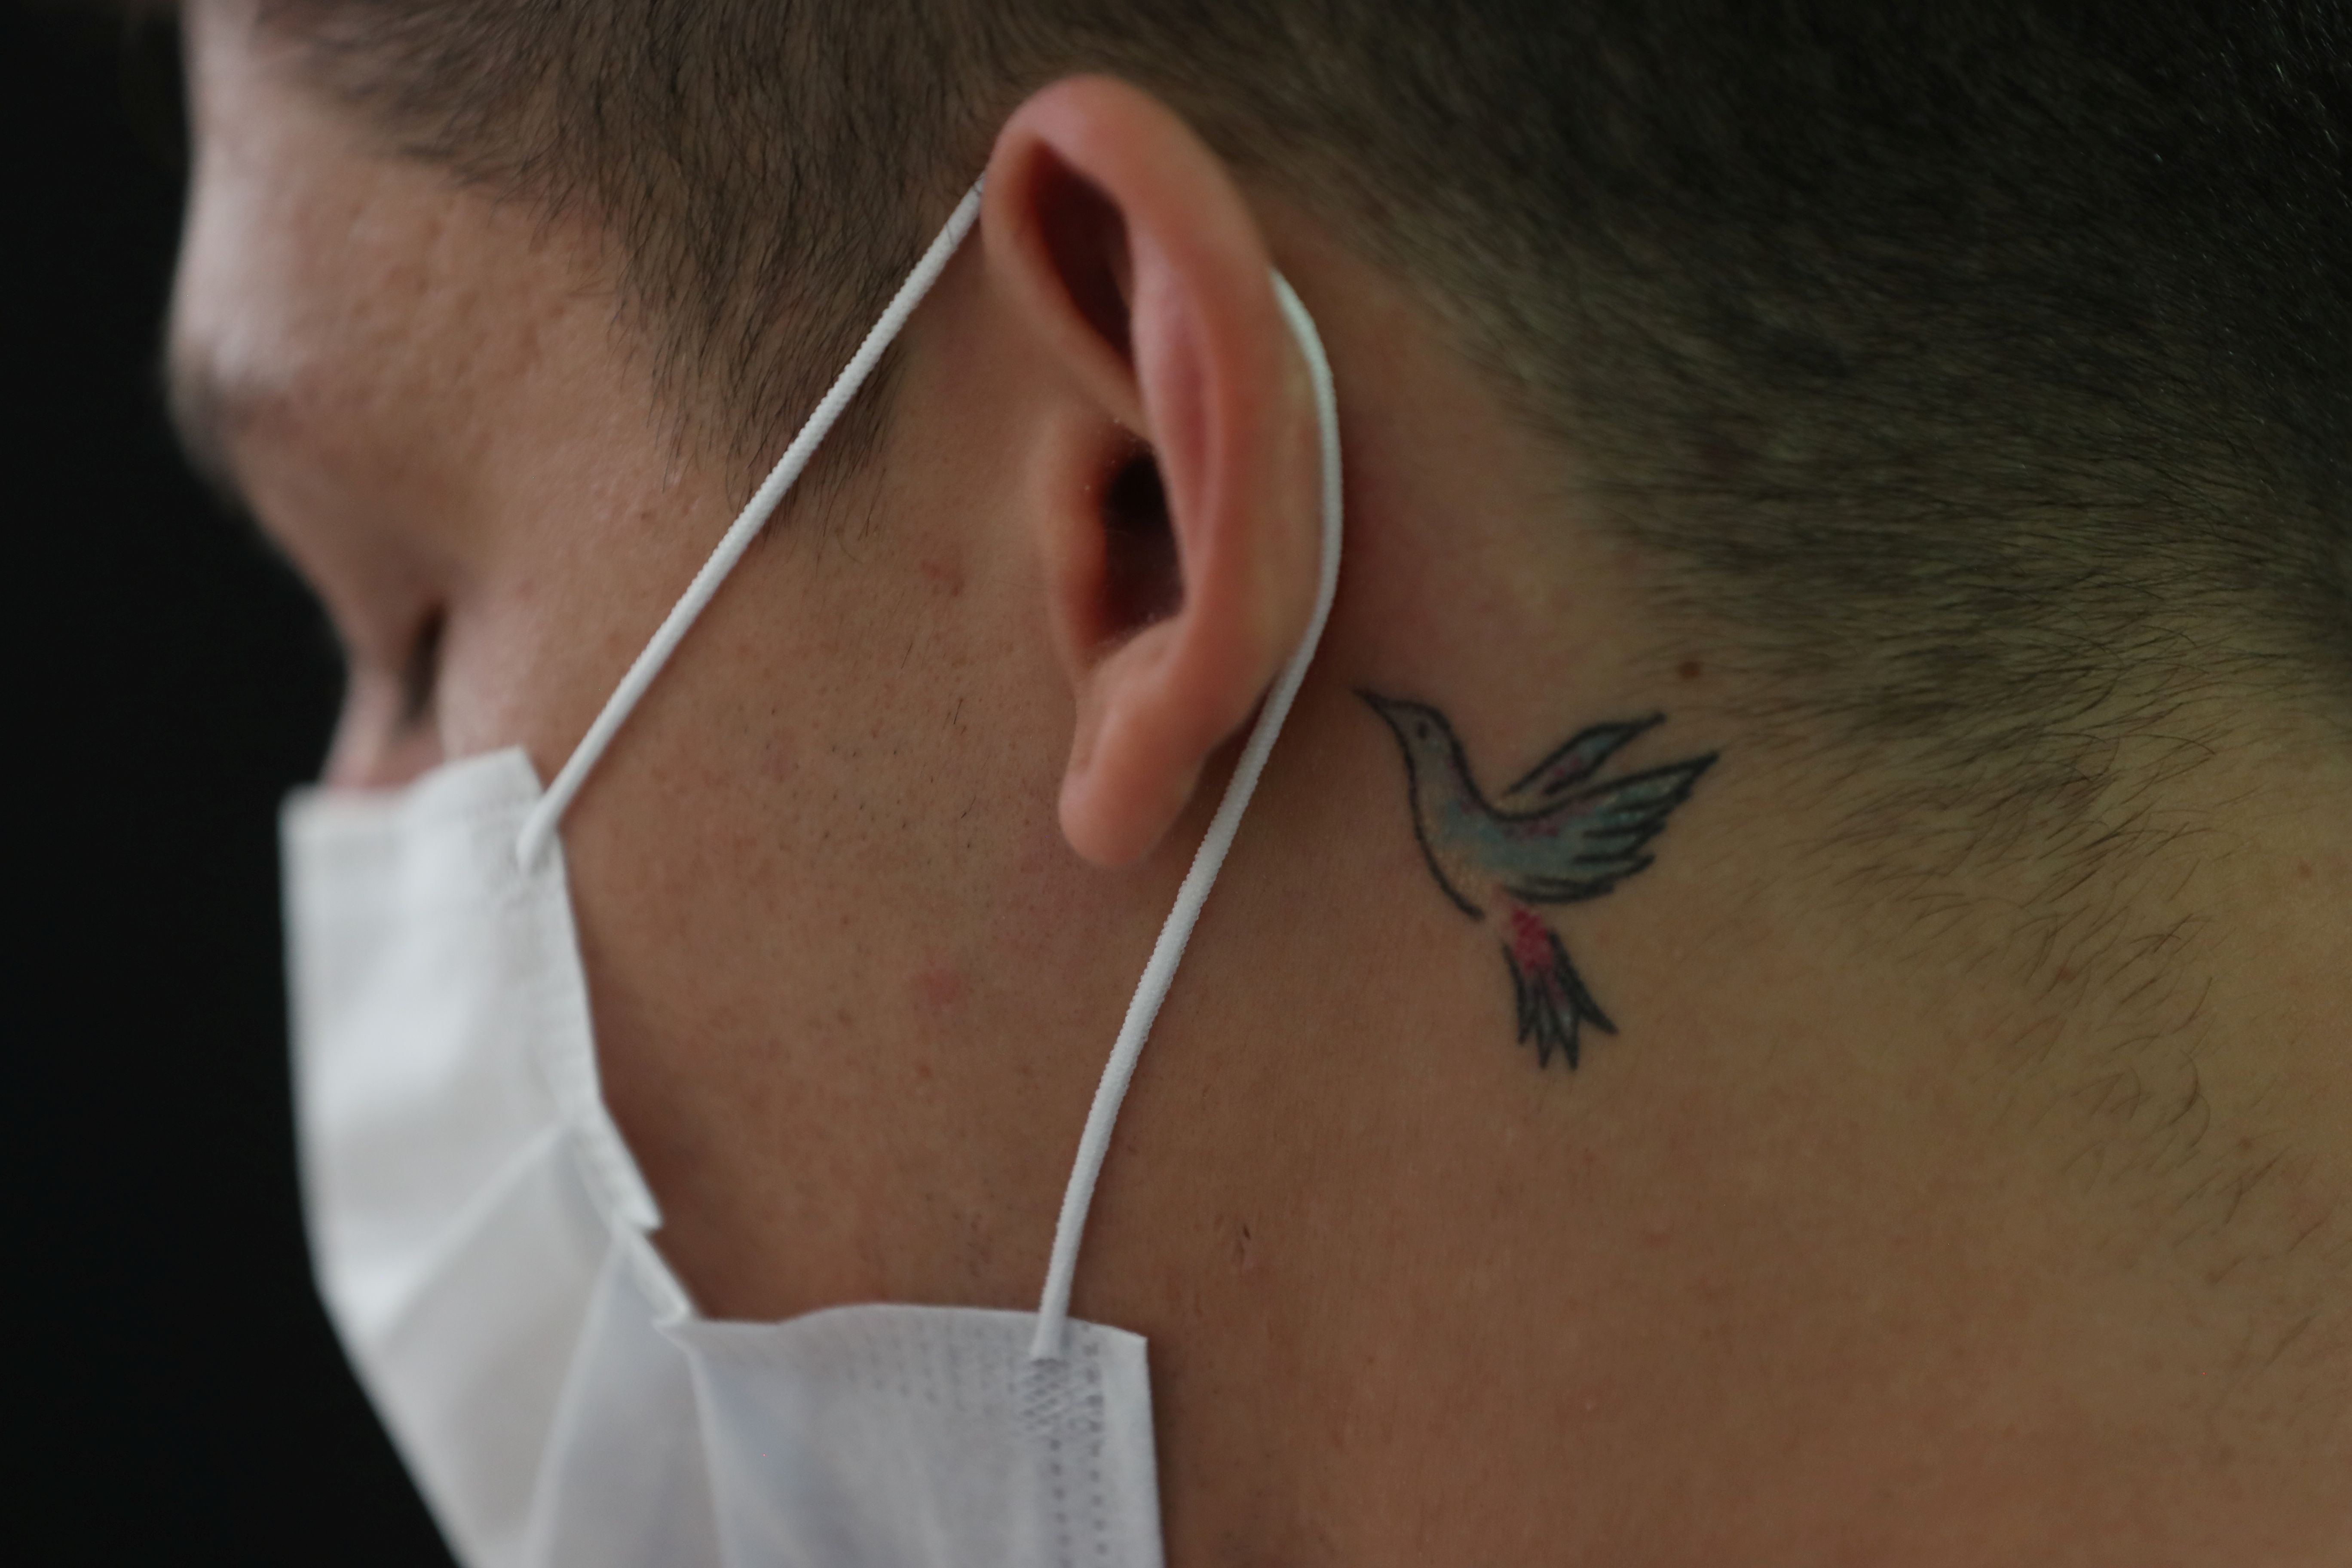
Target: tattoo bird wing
1572,763
1584,845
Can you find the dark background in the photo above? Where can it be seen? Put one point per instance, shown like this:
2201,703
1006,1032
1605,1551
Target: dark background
175,1393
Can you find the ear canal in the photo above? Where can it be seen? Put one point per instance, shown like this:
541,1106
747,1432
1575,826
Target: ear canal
1143,579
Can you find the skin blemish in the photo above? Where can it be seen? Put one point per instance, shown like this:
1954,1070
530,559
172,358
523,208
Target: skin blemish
944,575
1689,669
939,988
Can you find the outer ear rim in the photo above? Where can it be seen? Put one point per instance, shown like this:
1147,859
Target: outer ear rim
1130,140
1211,379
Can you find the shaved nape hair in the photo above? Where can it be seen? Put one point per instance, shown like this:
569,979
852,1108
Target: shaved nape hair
1979,375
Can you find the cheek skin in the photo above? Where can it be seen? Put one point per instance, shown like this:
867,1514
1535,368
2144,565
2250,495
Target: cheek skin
837,949
808,877
795,964
851,991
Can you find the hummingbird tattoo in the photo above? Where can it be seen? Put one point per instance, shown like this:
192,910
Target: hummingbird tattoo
1557,837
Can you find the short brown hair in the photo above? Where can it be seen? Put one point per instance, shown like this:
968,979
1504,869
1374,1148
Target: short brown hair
1983,372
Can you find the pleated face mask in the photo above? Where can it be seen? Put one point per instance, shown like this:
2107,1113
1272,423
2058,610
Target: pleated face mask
484,1240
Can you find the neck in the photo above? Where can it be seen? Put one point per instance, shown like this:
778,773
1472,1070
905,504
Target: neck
1938,1203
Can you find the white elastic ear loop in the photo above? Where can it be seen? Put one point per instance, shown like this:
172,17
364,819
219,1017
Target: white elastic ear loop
539,827
1054,1310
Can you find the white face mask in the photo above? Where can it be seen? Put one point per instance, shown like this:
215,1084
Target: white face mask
483,1237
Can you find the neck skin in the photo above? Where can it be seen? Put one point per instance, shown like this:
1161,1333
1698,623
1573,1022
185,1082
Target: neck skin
1890,1226
1941,1238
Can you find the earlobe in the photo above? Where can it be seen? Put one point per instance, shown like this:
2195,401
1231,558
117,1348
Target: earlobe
1178,516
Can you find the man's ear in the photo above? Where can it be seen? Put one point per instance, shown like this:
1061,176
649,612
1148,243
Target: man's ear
1178,521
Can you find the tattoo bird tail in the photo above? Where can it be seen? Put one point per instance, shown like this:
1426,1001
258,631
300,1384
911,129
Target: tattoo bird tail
1554,1006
